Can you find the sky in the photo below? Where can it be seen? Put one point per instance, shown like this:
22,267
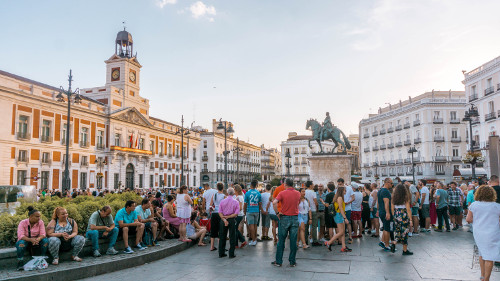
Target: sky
267,66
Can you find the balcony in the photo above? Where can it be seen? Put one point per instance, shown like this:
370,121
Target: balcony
161,154
399,161
382,147
456,139
169,169
439,158
23,136
391,162
489,90
416,160
374,164
367,149
399,128
177,156
473,97
391,145
456,159
177,169
454,121
22,159
417,140
406,125
476,121
382,132
383,163
437,120
366,136
407,142
303,152
84,143
169,155
374,134
420,173
390,129
375,148
204,158
392,174
99,146
46,161
161,168
409,173
46,139
407,160
151,167
440,173
194,158
84,164
490,116
416,123
438,138
399,144
366,165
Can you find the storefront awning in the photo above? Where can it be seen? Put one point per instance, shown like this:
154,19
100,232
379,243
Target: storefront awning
467,172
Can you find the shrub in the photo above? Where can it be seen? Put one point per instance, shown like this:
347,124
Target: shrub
80,209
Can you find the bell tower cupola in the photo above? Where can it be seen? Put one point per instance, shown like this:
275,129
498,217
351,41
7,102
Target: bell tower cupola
124,45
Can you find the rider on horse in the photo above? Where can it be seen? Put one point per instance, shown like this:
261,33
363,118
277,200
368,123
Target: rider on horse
327,126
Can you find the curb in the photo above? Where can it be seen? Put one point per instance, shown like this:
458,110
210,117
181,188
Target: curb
101,266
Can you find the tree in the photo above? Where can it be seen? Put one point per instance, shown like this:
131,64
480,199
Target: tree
276,182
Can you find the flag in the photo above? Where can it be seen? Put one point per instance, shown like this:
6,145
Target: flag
136,141
131,141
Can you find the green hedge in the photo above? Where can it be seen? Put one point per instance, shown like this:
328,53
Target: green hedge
78,209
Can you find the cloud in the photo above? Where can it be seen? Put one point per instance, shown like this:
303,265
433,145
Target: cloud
163,3
200,10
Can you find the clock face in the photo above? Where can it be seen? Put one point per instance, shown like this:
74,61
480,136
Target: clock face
115,74
132,76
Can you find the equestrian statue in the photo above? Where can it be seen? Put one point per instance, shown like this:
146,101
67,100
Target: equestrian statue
326,131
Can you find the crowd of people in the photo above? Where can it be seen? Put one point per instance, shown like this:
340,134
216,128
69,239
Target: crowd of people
312,215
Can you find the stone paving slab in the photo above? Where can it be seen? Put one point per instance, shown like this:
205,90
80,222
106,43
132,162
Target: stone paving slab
438,256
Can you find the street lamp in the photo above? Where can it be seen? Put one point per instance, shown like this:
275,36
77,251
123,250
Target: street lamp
470,116
76,99
223,126
412,150
100,162
288,156
237,149
183,132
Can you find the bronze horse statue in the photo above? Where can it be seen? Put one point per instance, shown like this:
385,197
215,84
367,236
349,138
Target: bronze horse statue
327,135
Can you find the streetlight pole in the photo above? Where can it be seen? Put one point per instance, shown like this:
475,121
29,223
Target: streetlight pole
226,129
412,150
288,156
77,99
469,117
183,132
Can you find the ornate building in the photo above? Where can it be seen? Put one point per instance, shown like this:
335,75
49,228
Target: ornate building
114,142
270,163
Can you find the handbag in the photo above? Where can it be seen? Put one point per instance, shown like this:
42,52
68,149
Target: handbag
66,244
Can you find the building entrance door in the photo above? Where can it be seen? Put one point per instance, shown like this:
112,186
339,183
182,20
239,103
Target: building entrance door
129,178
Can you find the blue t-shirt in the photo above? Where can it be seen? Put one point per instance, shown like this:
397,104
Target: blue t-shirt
122,215
443,198
253,198
470,197
383,193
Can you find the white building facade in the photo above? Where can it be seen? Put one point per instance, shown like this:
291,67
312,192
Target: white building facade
482,88
430,122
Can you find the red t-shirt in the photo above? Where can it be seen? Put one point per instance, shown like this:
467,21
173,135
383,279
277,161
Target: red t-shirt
289,199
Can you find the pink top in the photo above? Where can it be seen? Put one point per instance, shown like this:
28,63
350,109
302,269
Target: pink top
36,230
229,206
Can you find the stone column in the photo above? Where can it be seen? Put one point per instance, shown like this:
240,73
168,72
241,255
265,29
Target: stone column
494,157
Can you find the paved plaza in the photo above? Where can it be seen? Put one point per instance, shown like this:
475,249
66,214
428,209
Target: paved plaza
437,256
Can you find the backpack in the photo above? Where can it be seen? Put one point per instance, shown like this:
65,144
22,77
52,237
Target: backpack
331,208
147,238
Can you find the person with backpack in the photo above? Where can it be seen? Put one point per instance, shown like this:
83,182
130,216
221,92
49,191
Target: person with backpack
63,236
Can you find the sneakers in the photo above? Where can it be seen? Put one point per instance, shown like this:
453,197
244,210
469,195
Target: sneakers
111,251
140,247
455,228
387,249
252,243
20,265
407,253
276,264
415,233
243,244
128,250
143,245
382,245
345,250
410,234
96,253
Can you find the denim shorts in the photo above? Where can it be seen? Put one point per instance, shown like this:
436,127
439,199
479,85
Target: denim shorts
348,215
253,218
303,218
373,214
414,211
274,217
338,218
266,222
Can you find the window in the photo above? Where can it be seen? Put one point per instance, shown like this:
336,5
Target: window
407,120
439,151
437,114
205,167
160,149
45,180
456,167
169,181
366,131
437,132
440,168
116,180
85,161
46,131
418,134
489,81
454,133
117,139
194,153
417,117
83,181
21,177
45,157
177,153
407,137
100,139
382,127
151,180
491,107
161,181
473,90
141,143
22,156
455,152
84,134
177,180
169,149
152,146
194,181
453,115
204,144
23,127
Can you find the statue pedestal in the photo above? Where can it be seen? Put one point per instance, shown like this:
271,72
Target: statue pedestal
329,168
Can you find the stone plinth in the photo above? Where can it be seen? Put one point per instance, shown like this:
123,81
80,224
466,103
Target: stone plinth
327,168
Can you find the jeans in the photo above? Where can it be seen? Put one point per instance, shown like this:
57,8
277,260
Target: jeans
288,225
94,236
21,246
239,235
442,213
231,227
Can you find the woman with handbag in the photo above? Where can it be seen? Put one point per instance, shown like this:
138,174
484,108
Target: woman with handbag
63,235
30,233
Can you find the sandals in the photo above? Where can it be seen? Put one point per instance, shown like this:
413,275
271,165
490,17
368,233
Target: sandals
329,246
201,244
349,241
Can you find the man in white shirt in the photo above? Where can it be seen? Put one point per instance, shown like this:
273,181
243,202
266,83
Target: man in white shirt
348,198
424,206
207,197
266,219
313,203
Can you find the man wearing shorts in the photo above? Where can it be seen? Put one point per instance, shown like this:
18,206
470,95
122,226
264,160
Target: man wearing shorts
266,219
455,204
384,207
252,207
128,223
424,205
